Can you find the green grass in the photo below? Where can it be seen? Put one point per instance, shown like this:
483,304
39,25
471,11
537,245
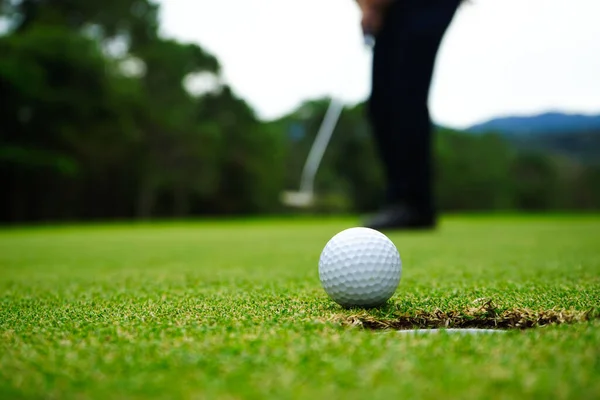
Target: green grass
234,310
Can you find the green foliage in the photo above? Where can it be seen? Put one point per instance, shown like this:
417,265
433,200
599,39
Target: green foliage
472,171
248,156
67,106
583,145
30,158
108,19
588,185
84,137
536,182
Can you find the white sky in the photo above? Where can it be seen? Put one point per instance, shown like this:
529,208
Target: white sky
498,57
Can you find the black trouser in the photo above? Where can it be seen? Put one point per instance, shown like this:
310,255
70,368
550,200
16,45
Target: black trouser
403,62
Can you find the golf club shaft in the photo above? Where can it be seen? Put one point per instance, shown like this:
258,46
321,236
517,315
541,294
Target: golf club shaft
323,136
320,145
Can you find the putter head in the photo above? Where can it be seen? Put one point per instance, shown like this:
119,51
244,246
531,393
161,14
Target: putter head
297,199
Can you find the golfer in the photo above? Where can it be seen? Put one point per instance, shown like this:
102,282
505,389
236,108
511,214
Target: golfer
407,36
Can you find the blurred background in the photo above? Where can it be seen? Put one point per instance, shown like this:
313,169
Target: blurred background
134,109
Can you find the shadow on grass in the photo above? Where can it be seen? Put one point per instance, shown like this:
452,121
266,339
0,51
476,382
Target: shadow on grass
484,316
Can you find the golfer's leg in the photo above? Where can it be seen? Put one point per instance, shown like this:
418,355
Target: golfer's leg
403,62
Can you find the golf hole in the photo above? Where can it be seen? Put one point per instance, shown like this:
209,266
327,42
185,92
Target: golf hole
485,318
458,331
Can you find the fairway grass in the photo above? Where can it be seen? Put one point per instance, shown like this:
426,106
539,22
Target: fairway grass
232,310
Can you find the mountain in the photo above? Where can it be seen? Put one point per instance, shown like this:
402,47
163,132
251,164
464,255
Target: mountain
541,124
575,136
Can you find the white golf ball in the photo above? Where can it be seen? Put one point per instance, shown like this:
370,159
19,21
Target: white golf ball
360,267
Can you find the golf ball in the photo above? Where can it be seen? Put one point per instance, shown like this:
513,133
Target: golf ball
360,267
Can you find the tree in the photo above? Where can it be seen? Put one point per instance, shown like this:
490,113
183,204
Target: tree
249,155
471,171
67,113
535,182
176,142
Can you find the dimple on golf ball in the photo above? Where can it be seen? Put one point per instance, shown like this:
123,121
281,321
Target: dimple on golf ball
360,267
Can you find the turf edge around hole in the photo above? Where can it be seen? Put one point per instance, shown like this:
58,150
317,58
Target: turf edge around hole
486,316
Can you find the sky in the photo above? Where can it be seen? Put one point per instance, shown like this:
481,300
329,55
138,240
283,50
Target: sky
498,57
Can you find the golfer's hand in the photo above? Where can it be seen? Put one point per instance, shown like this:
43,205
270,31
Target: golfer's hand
372,14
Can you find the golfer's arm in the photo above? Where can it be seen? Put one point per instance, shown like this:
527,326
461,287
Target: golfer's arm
374,3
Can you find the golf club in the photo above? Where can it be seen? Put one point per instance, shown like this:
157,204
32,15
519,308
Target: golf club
304,197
